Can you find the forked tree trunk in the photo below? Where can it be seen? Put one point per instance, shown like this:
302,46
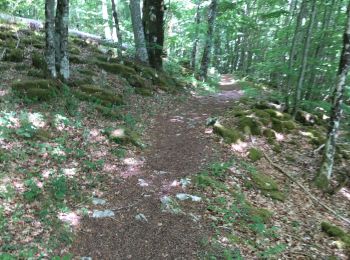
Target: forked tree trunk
139,36
195,43
304,62
153,24
209,41
117,29
325,172
61,29
50,38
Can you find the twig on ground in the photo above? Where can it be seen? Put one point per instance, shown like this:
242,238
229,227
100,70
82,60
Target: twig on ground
130,205
3,54
313,198
18,41
318,149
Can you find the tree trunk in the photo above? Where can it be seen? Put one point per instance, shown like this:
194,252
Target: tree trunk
302,72
326,169
153,23
292,54
50,37
107,29
195,43
209,40
117,29
139,36
62,18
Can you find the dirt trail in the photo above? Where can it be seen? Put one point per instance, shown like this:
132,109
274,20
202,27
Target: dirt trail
178,148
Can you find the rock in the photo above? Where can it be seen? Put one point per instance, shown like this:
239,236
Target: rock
103,213
141,217
142,183
184,196
97,201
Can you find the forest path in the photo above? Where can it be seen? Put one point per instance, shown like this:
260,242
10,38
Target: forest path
179,147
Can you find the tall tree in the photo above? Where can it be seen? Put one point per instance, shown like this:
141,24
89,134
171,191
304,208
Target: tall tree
139,35
56,35
153,23
326,169
107,29
195,42
117,28
209,40
50,51
305,55
61,29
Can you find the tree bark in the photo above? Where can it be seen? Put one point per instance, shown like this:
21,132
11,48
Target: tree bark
325,172
61,29
107,29
139,36
117,28
153,24
195,43
302,72
209,41
50,38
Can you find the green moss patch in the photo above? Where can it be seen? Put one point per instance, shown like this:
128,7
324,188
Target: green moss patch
36,73
229,135
336,232
267,185
38,61
123,135
282,126
41,90
255,154
99,95
76,59
14,55
250,125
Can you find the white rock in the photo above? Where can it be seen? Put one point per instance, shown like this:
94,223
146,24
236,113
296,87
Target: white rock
97,201
103,213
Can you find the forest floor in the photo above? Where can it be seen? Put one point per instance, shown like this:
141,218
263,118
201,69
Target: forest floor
167,173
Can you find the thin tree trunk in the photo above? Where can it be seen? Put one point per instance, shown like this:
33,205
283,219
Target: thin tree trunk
209,40
292,54
326,169
61,29
117,28
139,36
50,37
153,24
299,87
195,43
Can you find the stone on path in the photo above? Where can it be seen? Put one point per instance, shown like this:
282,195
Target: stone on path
97,201
141,217
184,196
103,213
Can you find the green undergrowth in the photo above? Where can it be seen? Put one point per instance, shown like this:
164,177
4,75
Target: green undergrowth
233,217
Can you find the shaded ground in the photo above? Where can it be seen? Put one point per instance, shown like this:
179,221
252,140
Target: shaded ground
179,147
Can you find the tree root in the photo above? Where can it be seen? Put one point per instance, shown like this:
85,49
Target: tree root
313,198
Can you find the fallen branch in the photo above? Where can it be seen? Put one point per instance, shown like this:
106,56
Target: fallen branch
3,54
318,149
313,198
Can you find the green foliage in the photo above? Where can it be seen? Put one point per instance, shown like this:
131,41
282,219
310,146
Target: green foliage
255,154
229,135
14,55
336,232
33,191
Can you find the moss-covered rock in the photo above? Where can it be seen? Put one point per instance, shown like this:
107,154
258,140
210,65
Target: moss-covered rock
38,61
74,50
41,90
264,215
80,42
108,111
229,135
267,186
255,154
282,126
262,114
305,118
269,133
336,232
118,69
144,92
250,125
87,72
76,59
99,95
124,136
36,73
14,55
